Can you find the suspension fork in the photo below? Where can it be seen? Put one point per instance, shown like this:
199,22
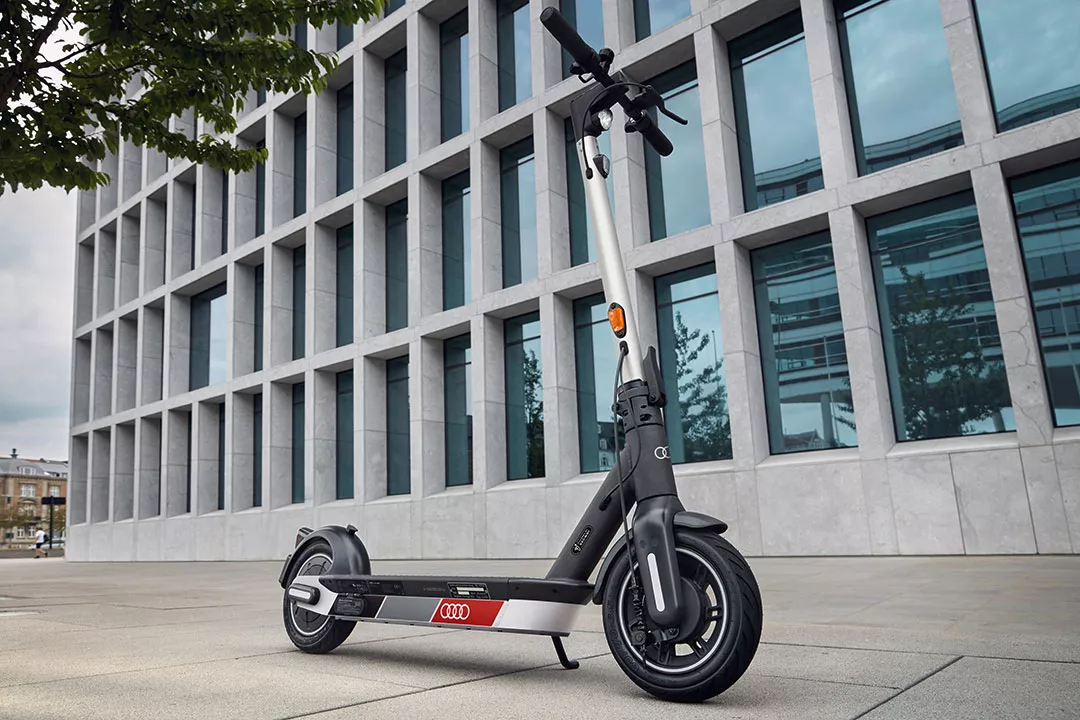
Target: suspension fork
640,405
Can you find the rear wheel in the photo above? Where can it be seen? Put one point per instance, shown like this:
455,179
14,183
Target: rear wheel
310,631
708,654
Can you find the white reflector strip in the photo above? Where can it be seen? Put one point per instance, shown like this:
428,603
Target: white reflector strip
654,577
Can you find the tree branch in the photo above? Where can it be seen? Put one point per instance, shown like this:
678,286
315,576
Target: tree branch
10,80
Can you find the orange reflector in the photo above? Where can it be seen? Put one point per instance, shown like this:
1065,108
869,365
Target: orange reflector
617,318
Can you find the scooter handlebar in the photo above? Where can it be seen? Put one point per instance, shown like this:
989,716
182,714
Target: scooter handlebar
568,37
589,61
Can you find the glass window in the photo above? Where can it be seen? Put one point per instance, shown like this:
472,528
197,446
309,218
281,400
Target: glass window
900,87
344,436
524,398
454,75
779,157
397,426
260,193
1047,207
344,34
803,355
587,17
189,466
299,164
457,379
677,188
299,301
221,457
397,265
392,5
395,69
582,235
207,338
298,443
260,289
515,63
692,365
26,490
942,350
300,35
256,445
594,348
1031,58
345,139
652,16
344,325
456,232
518,199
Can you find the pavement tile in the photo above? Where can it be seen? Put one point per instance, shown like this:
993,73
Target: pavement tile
208,691
599,690
861,667
980,688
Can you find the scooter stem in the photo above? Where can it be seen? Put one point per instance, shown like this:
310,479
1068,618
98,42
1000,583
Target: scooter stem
612,270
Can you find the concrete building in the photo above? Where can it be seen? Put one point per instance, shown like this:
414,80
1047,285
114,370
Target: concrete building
859,267
23,483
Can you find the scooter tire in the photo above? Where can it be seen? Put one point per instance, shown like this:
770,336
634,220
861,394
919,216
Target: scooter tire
323,636
738,634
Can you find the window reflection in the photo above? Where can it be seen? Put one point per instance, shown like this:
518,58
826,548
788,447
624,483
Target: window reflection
456,232
942,349
518,201
1031,58
803,354
692,365
457,379
397,427
652,16
1047,206
397,265
207,338
524,398
343,436
774,113
595,354
515,62
900,87
677,187
454,72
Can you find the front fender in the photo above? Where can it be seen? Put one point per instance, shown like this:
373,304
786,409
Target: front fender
684,520
350,555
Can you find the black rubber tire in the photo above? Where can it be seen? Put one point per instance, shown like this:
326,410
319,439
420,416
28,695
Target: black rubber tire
741,626
330,635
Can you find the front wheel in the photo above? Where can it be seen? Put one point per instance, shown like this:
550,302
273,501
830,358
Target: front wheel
697,662
309,631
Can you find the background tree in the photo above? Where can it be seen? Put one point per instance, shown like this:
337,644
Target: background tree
534,415
945,379
13,516
702,396
66,65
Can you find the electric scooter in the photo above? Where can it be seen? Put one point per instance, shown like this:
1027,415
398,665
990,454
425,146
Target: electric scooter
681,608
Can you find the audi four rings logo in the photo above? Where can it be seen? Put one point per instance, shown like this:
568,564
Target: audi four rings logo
662,453
454,611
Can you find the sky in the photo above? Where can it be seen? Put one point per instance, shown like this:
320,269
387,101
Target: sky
37,251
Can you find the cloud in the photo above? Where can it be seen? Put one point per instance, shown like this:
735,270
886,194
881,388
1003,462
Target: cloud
37,250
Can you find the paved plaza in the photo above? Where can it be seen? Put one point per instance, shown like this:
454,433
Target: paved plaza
875,638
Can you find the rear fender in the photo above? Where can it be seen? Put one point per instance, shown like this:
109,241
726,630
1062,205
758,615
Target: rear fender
349,554
684,520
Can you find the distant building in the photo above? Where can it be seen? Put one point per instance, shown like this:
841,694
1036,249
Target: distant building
23,483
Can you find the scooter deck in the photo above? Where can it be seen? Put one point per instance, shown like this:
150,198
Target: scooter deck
518,605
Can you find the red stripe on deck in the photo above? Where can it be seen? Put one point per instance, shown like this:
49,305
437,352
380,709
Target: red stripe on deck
457,611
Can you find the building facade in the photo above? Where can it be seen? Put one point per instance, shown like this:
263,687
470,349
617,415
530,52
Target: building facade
23,484
861,269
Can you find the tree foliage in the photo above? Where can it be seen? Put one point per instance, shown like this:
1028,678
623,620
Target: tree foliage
66,68
946,381
702,396
14,515
534,414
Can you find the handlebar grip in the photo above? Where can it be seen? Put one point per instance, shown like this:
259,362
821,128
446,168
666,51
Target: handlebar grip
654,135
568,37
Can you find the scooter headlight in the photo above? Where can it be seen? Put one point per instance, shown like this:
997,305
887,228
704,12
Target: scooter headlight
605,118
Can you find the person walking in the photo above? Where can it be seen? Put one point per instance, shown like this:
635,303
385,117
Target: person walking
40,538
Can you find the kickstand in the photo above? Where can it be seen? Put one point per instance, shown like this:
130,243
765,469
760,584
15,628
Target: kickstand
561,652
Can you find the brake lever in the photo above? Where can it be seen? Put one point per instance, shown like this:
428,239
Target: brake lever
673,116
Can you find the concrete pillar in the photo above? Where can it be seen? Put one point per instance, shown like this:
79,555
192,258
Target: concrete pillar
322,152
426,275
552,237
100,474
371,396
206,457
152,332
123,492
483,63
429,418
1012,305
323,445
322,291
242,451
178,342
370,248
150,465
153,254
105,272
489,403
102,395
241,326
128,275
176,428
486,219
969,75
562,460
279,289
370,98
830,98
277,472
126,357
718,125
